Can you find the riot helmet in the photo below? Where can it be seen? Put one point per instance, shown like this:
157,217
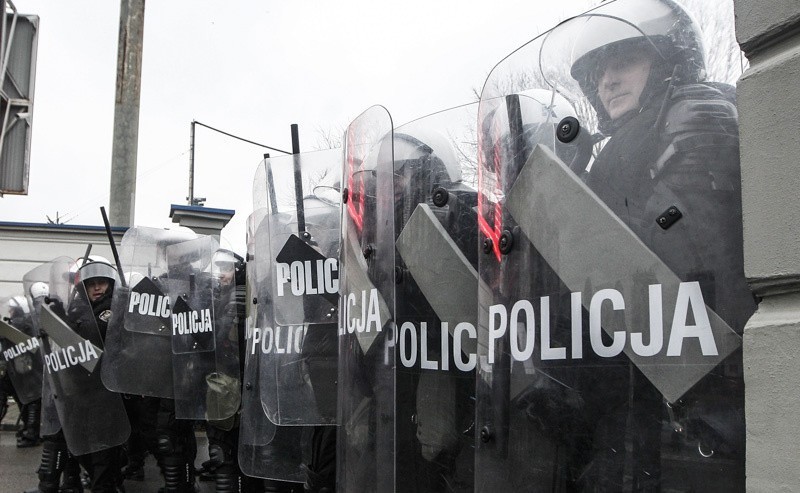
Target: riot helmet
423,160
428,152
39,290
660,32
228,268
18,306
78,274
133,278
94,272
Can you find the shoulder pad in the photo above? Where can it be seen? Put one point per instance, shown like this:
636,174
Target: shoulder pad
699,108
701,122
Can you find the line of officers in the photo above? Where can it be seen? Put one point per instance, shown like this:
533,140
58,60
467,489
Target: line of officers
541,291
62,331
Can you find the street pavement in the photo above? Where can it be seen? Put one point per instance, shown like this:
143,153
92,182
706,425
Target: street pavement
18,466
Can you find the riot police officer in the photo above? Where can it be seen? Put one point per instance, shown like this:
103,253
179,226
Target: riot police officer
58,471
673,146
593,381
434,406
98,278
228,279
27,374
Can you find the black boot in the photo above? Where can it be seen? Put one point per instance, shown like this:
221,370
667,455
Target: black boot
321,472
73,481
134,471
54,457
206,471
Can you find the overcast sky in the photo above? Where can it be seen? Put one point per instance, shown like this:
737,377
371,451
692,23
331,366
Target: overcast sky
252,68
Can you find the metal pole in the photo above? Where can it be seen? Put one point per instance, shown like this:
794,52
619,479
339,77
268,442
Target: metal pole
298,181
190,198
126,112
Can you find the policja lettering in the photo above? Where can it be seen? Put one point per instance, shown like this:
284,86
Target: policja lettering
689,299
192,322
408,350
70,356
149,304
21,348
281,340
308,277
370,316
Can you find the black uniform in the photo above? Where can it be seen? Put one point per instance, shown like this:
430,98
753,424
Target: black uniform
104,466
689,160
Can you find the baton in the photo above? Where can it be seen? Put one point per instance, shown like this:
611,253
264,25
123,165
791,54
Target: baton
298,181
113,247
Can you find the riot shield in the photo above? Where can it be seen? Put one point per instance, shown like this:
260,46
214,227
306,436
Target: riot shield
435,300
36,286
610,220
72,354
21,348
138,346
263,451
205,346
297,247
365,444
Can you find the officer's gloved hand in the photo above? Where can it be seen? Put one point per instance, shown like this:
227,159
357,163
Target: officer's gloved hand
216,457
56,306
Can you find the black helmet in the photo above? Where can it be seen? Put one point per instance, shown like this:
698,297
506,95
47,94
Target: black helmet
661,28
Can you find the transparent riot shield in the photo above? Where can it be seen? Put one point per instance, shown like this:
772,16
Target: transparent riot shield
21,348
436,290
138,345
263,451
73,350
365,445
36,284
610,222
205,349
298,248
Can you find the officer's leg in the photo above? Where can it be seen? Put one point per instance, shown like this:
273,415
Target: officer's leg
6,390
104,469
177,449
72,476
322,468
29,435
137,446
54,459
3,403
223,452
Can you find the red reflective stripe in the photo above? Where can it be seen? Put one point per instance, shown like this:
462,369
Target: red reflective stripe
355,210
494,231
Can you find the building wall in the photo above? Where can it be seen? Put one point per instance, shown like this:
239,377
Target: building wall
24,246
769,105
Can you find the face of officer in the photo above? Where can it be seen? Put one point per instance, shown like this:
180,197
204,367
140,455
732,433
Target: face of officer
225,277
96,288
622,79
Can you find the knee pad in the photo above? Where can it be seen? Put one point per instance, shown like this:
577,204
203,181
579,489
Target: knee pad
227,479
54,458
